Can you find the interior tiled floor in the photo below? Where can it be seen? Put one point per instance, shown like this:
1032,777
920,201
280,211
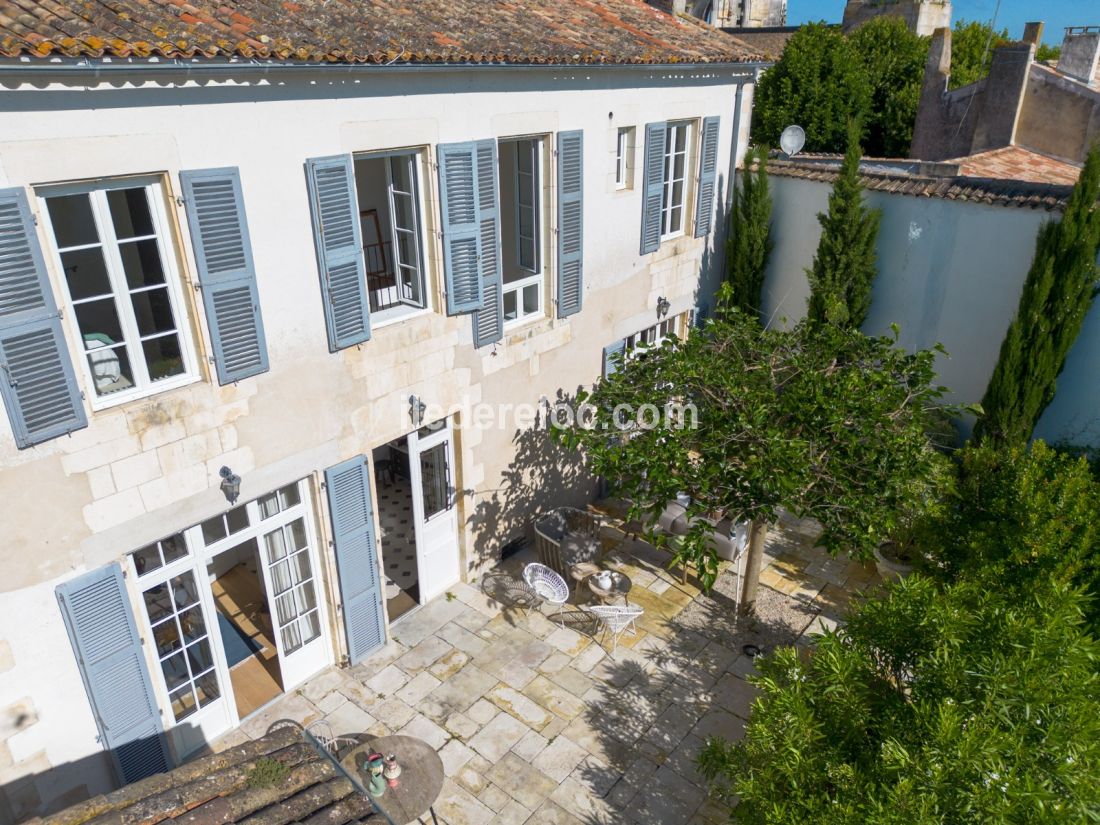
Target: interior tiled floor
398,539
537,724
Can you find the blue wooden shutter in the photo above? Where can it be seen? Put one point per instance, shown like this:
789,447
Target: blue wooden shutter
335,209
708,166
349,501
458,194
37,381
223,252
108,651
489,318
653,184
570,222
611,363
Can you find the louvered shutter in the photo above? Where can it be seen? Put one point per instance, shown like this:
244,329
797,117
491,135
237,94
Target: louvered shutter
458,194
653,182
488,320
570,222
349,501
227,274
37,380
336,233
708,166
612,357
109,654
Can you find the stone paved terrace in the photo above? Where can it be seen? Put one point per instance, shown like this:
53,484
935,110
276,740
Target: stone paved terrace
537,724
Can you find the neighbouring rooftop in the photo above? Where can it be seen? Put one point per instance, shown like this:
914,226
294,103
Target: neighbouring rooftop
1010,176
365,31
767,41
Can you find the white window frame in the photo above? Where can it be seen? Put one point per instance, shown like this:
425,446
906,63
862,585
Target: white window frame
669,181
651,336
514,290
167,248
394,314
622,155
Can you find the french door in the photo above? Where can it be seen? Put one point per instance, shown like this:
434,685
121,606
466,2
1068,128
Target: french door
431,470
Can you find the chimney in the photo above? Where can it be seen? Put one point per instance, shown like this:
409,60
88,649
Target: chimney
1033,33
1081,54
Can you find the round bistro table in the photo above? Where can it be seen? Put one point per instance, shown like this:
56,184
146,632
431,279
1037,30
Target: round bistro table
419,784
620,588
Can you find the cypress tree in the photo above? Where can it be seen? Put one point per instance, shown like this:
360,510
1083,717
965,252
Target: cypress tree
844,266
1056,296
750,240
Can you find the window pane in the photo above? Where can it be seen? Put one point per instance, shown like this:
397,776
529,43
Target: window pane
72,220
681,138
85,273
153,311
207,687
237,519
111,370
298,534
311,627
147,559
175,671
141,263
167,637
403,211
276,546
280,577
99,324
678,171
299,567
307,598
510,313
213,530
292,639
285,608
269,506
192,624
674,220
401,171
199,657
183,703
157,603
173,548
130,212
530,299
433,479
163,357
290,496
183,591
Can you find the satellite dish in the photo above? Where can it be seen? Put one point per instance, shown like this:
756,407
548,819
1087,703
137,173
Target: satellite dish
792,140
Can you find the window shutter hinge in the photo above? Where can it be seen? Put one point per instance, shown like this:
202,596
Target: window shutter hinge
180,201
210,358
34,218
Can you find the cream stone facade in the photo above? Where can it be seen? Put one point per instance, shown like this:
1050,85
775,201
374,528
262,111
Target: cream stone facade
148,467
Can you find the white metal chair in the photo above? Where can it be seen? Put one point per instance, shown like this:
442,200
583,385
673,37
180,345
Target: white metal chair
616,620
547,585
334,745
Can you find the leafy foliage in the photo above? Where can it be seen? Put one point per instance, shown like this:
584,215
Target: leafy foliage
972,46
1016,515
1057,294
844,265
818,83
821,420
750,240
894,59
958,705
1045,52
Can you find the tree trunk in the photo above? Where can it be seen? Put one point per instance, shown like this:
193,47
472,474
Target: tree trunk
758,532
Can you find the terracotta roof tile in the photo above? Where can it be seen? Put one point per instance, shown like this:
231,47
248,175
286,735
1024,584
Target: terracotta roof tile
919,180
366,31
1017,163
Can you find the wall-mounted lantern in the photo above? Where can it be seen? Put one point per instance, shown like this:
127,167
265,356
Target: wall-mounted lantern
663,306
417,408
231,485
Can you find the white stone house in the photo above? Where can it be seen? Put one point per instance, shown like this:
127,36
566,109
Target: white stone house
263,238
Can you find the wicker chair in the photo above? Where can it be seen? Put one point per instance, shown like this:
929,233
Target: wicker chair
553,527
547,585
616,620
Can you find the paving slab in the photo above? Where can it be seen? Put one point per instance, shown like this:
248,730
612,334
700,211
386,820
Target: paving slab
497,738
524,783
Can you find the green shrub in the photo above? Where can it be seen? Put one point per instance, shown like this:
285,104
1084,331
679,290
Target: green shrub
267,773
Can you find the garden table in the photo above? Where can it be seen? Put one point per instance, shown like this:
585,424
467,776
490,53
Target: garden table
418,786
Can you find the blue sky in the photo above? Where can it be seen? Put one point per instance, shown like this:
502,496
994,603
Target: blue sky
1057,14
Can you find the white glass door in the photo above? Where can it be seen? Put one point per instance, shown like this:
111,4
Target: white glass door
431,467
292,594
